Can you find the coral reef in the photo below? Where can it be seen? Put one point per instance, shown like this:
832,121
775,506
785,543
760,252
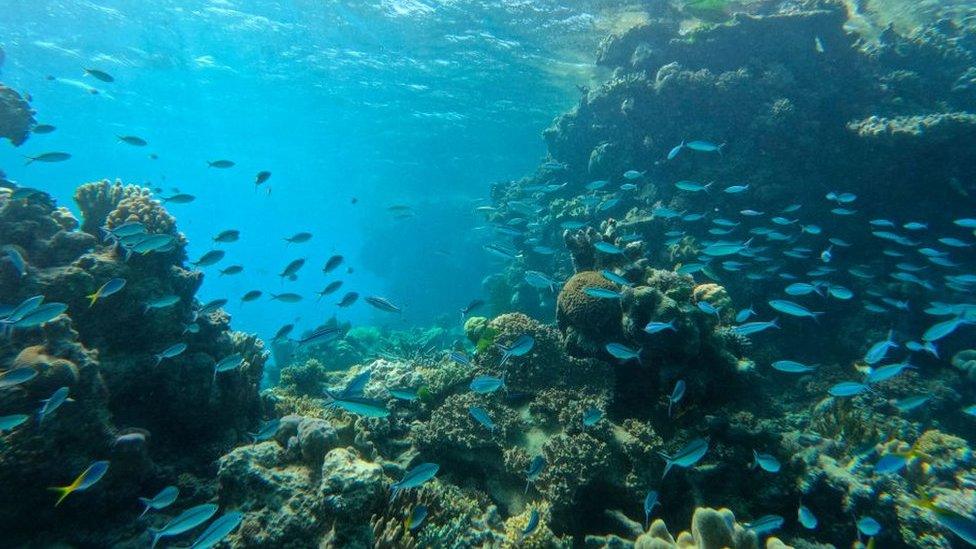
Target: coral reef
16,116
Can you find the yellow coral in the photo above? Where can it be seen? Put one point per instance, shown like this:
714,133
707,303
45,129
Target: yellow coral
713,294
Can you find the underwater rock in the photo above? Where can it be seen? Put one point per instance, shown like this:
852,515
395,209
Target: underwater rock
16,116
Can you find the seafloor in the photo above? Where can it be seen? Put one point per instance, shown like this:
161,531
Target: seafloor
804,106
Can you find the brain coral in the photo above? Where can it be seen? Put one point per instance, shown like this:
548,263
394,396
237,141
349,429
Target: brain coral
587,320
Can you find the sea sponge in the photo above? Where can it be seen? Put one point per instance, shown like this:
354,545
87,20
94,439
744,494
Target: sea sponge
588,322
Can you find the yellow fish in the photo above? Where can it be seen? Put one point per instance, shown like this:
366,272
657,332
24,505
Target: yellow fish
85,480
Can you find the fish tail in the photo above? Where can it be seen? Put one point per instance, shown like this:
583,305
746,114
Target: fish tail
526,491
30,159
156,536
63,491
667,467
93,297
146,502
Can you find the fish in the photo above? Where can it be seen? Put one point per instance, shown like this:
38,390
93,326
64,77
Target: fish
705,146
382,304
162,302
267,430
414,478
960,525
287,297
744,315
291,270
133,140
531,525
220,164
651,500
677,393
218,530
806,518
261,177
404,393
100,75
283,332
736,189
942,329
602,293
332,263
184,522
179,198
623,352
472,306
484,384
608,248
707,308
793,309
43,128
91,475
615,278
687,456
908,404
691,186
721,249
163,499
11,422
839,292
765,524
534,470
299,238
877,352
17,376
416,518
55,156
231,270
792,367
868,526
675,150
766,462
209,258
52,403
539,280
172,351
460,357
360,406
330,288
887,372
847,389
348,299
596,185
750,328
16,259
321,335
519,347
228,363
211,306
481,416
592,416
802,288
633,174
657,327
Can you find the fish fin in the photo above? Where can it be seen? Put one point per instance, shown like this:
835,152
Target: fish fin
63,491
29,160
93,298
667,468
146,502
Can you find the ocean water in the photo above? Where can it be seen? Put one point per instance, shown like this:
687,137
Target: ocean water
608,270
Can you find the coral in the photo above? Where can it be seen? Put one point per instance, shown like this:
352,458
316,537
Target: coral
965,362
16,116
588,321
98,199
541,538
307,378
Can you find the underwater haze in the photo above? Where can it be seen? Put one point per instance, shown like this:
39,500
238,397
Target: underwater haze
501,273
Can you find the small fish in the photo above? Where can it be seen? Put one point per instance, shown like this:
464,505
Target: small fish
17,376
766,462
707,308
209,258
382,304
220,164
651,500
415,478
16,259
887,372
692,186
484,384
482,417
460,357
792,367
179,198
736,189
615,278
267,430
877,352
908,404
868,526
283,332
261,177
211,306
847,389
705,146
675,150
416,518
602,293
228,363
608,248
792,309
133,140
48,157
322,335
43,128
100,75
687,456
170,352
287,297
623,352
657,327
330,288
348,300
633,174
52,403
332,263
184,522
231,270
8,423
218,530
721,249
592,416
531,525
161,500
942,329
299,238
750,328
291,270
806,518
519,347
474,305
765,524
539,280
532,473
407,393
744,315
85,480
676,395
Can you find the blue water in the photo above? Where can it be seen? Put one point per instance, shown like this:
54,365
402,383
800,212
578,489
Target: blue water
386,103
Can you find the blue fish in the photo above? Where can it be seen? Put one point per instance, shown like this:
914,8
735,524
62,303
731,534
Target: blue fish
536,466
656,327
531,525
676,395
877,352
750,328
765,524
707,308
651,500
602,293
414,478
847,389
744,315
623,352
486,384
481,416
608,248
806,518
520,347
417,517
218,530
792,309
677,149
615,278
766,462
592,416
868,526
687,456
161,500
